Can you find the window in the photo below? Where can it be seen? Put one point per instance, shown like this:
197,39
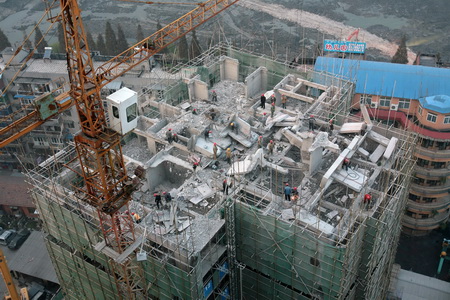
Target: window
40,141
431,117
25,102
56,141
420,110
447,120
413,197
403,103
365,99
115,111
426,143
438,164
385,101
131,112
70,124
422,162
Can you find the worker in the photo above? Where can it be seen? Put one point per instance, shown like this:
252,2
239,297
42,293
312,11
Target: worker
367,199
263,101
175,138
194,111
214,96
228,154
225,187
287,192
207,134
169,135
136,217
167,197
283,101
194,166
272,99
311,122
346,164
234,127
331,126
272,110
157,199
215,150
260,141
270,147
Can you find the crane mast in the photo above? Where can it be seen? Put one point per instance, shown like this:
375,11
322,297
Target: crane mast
107,187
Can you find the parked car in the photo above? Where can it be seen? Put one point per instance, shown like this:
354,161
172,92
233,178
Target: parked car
19,239
7,236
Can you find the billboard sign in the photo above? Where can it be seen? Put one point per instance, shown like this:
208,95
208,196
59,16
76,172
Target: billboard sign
344,46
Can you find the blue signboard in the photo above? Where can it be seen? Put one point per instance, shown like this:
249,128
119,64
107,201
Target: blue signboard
344,46
207,290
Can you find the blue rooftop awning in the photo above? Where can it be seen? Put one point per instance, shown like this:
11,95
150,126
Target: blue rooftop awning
24,96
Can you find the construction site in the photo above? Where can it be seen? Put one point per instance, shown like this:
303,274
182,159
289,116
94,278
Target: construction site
249,242
227,196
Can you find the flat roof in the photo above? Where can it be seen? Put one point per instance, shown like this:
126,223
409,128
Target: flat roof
414,286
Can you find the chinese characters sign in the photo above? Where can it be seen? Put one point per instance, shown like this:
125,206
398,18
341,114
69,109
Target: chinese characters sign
344,46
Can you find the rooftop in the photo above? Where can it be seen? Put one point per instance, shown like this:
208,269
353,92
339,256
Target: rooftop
439,103
388,79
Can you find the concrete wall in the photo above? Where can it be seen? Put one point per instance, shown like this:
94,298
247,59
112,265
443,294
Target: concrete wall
256,82
229,69
198,90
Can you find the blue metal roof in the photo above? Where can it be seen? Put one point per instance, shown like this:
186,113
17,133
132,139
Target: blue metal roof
439,103
388,79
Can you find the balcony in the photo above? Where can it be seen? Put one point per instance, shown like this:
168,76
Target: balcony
431,172
428,207
431,190
424,224
433,153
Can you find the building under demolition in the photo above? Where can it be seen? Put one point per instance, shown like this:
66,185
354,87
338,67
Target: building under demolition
300,200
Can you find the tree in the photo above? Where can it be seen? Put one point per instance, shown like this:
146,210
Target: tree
101,47
110,40
401,56
183,50
194,49
27,44
61,39
139,34
91,42
4,42
158,28
39,42
122,44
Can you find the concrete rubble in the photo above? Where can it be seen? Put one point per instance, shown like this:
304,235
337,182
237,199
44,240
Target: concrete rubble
312,160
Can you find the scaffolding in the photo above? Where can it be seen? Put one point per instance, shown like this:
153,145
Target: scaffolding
249,244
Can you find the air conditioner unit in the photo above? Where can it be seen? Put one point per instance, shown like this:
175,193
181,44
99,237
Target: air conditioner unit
394,106
374,104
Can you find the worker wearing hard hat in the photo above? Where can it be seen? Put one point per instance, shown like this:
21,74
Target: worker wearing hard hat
270,147
136,217
228,154
263,101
